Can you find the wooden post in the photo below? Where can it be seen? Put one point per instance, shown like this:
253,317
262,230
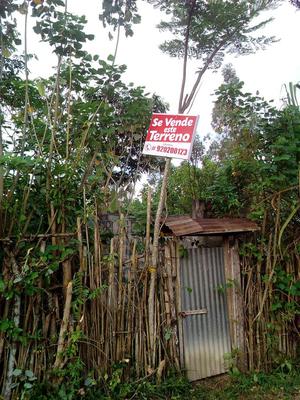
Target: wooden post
148,227
235,300
58,363
16,314
153,269
179,305
111,305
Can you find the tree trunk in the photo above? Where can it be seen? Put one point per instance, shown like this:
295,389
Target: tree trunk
153,267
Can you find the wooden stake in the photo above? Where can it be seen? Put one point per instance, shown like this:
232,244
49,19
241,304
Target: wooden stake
153,268
7,384
148,226
63,328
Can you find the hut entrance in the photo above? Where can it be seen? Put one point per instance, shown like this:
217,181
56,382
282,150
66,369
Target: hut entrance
212,320
205,333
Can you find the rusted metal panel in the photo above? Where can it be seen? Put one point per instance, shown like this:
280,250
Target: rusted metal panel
185,225
205,329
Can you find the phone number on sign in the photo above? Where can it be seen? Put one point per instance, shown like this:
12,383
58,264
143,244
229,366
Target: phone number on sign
171,150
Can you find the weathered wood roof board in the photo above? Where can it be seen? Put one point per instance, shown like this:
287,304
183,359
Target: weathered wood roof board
185,225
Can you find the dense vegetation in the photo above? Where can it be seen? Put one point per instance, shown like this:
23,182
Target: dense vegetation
70,151
255,155
283,383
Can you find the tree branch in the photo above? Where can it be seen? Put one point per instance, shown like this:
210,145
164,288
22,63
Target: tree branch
191,96
186,47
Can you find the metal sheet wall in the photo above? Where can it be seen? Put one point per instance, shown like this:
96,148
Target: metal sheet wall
205,327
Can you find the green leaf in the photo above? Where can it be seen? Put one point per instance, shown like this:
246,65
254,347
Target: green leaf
18,279
41,88
17,372
168,334
5,325
90,37
2,285
29,373
6,53
89,382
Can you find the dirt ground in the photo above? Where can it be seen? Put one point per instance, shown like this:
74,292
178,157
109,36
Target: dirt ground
224,387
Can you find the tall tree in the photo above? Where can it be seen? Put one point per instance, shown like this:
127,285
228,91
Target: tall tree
258,144
202,30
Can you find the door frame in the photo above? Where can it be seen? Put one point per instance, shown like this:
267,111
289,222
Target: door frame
234,299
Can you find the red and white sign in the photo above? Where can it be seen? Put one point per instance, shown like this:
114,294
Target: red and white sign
171,135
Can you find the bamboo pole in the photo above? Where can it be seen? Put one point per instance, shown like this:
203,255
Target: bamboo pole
79,238
153,269
131,297
16,314
148,227
58,363
67,275
111,303
121,294
52,223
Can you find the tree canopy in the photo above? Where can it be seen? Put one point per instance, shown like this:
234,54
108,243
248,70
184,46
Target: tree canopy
202,30
255,155
77,131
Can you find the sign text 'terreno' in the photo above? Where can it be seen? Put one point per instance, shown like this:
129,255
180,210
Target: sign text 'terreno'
171,136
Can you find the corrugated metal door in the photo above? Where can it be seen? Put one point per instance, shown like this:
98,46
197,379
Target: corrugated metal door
205,327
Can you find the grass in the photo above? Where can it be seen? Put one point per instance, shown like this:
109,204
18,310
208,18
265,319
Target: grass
277,385
281,384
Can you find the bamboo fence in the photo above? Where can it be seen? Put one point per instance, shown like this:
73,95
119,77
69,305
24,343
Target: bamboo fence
93,306
271,291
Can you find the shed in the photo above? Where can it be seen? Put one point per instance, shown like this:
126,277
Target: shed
211,323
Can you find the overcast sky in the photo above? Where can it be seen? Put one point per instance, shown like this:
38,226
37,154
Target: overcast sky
265,71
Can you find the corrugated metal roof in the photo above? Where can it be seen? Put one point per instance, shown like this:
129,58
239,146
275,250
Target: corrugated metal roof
185,225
